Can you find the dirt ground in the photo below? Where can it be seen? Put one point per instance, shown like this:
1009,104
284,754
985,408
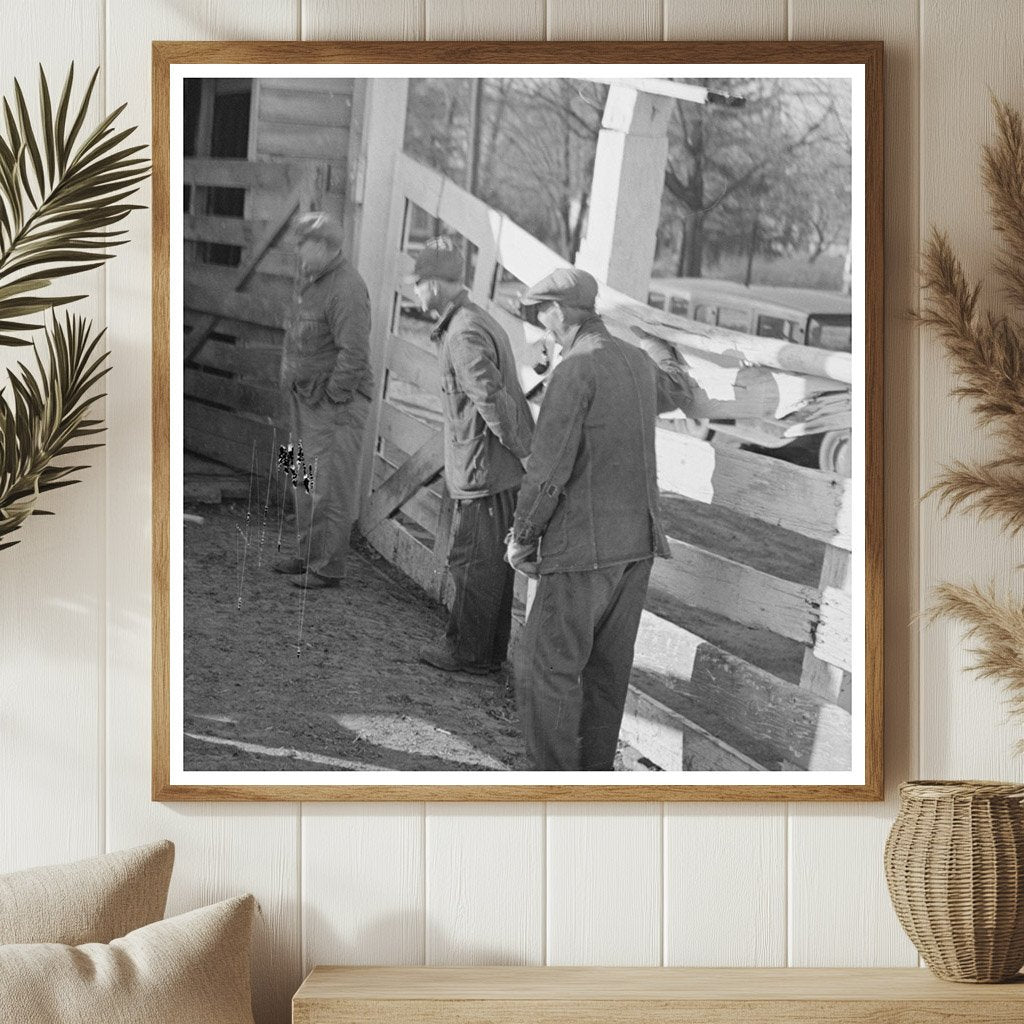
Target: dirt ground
273,683
276,682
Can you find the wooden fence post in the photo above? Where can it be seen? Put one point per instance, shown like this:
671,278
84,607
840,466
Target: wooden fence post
629,177
377,215
829,681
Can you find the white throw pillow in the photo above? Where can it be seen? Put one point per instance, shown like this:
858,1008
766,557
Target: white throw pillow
190,969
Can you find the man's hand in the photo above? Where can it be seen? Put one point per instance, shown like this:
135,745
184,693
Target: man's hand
522,556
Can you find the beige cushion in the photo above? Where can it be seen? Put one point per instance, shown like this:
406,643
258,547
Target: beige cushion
191,969
93,900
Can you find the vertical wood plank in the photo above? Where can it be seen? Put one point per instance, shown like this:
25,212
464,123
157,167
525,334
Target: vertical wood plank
604,19
852,923
723,905
956,120
485,884
221,849
725,885
362,884
386,19
485,19
51,583
604,884
726,19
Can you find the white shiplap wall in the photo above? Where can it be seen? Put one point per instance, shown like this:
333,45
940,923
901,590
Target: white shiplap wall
751,884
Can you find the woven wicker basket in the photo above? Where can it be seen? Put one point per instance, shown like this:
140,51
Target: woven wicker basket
954,861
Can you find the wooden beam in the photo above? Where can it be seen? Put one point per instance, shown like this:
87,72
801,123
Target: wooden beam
773,721
402,430
413,364
419,469
201,330
807,501
423,507
235,231
271,175
702,579
833,642
674,743
403,550
226,436
818,676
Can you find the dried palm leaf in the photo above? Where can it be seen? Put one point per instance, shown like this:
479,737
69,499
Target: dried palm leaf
62,191
47,420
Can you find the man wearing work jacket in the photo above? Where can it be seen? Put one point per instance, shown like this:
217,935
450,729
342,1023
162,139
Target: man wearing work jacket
487,431
587,526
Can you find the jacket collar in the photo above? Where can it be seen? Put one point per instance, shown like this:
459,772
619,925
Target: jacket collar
336,261
593,324
450,310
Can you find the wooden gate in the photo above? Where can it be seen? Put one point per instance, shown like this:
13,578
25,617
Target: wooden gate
694,703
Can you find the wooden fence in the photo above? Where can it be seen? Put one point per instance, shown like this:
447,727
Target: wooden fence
234,314
694,703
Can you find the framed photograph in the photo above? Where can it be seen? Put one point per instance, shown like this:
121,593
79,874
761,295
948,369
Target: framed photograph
517,421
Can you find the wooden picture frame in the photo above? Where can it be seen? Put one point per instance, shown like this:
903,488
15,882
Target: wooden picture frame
850,586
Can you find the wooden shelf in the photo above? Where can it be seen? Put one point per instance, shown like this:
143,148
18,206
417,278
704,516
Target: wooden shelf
644,995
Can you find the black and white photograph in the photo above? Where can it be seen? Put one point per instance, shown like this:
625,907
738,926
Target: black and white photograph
519,426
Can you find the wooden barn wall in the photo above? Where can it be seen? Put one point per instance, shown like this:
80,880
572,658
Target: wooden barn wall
510,883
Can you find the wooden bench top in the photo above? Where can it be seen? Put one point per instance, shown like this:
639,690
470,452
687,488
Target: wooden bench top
623,995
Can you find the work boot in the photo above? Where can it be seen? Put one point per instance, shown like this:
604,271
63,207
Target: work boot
440,655
289,566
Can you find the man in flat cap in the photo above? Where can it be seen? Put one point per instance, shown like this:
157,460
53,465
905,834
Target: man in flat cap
326,383
487,431
587,525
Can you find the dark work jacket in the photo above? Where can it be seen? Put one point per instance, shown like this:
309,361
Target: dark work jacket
487,421
327,336
591,488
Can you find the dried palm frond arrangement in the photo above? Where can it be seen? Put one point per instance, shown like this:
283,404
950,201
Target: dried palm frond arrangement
987,354
62,191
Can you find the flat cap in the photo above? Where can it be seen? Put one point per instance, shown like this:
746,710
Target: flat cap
318,225
439,260
567,285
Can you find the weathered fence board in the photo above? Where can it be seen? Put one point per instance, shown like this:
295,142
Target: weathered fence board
226,437
309,106
770,719
717,584
270,175
279,138
258,401
257,358
833,642
222,230
401,429
807,501
673,742
413,364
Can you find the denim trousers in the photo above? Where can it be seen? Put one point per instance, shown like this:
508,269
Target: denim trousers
573,663
480,622
332,437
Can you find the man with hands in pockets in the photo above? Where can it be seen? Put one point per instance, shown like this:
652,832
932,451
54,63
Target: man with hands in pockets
326,383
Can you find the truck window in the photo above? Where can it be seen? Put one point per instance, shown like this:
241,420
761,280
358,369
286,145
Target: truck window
679,306
833,332
705,314
656,299
734,319
772,327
